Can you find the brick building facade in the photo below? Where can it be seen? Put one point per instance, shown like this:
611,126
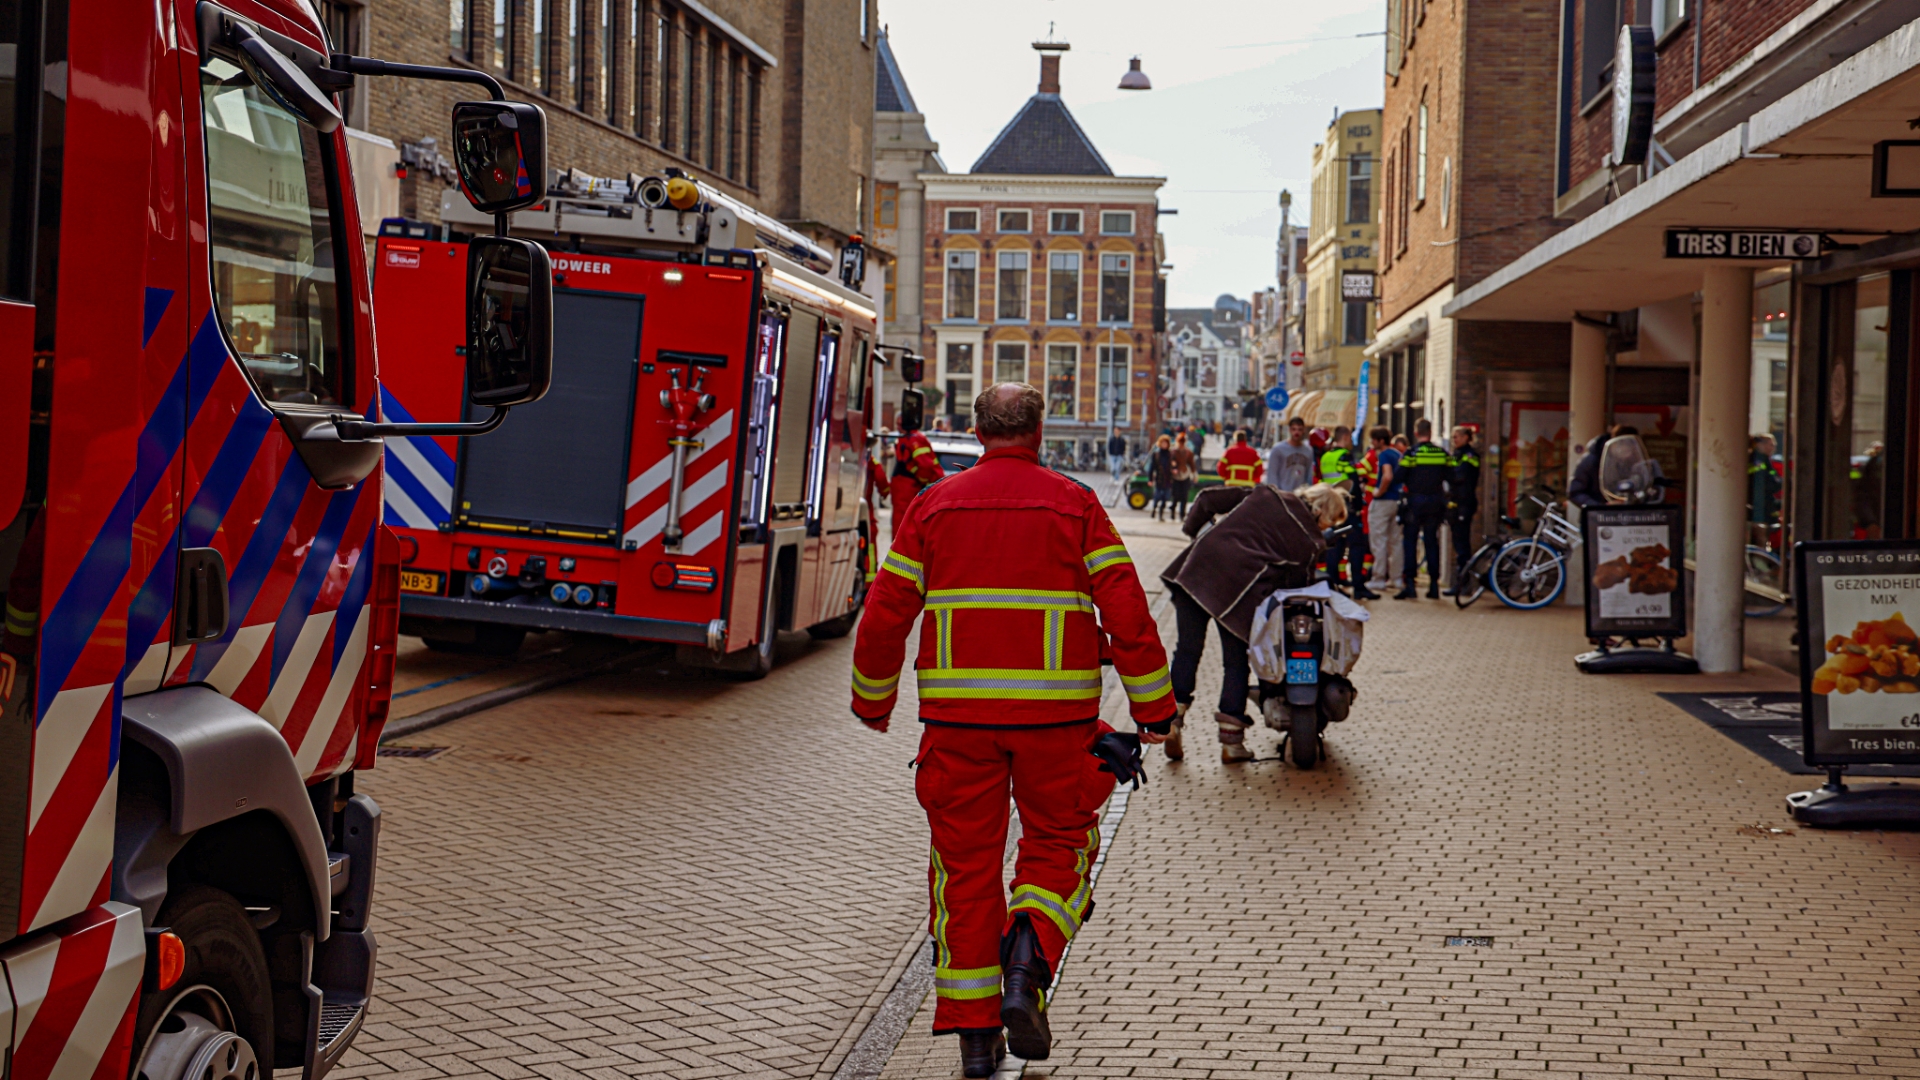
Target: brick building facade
1041,266
770,101
1466,183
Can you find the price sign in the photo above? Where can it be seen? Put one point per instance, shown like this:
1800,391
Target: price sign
1632,562
1859,653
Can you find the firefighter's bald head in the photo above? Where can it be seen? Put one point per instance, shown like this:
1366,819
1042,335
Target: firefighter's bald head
1009,414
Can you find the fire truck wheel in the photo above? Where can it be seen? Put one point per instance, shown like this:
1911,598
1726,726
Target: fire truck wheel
214,1021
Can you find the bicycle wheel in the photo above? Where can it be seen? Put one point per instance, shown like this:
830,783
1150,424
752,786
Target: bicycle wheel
1528,574
1763,566
1471,582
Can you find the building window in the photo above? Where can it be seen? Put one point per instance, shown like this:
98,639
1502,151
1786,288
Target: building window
689,93
1063,381
576,53
959,380
1359,189
1010,292
962,277
602,85
1010,362
1116,362
649,51
893,305
500,24
886,206
715,59
1600,36
1420,163
1116,288
963,221
1355,328
539,45
1386,212
753,126
457,27
1668,14
1446,189
1406,185
1063,286
1066,222
866,18
1016,221
1116,223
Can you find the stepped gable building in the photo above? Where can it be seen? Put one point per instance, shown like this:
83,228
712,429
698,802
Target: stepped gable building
1042,269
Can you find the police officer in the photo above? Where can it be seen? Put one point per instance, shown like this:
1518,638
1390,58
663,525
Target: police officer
1425,467
1463,489
1339,469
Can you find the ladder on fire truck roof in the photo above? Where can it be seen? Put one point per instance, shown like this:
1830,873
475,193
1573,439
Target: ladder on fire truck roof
634,213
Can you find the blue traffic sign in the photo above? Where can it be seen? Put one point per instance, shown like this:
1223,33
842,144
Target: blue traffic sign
1277,398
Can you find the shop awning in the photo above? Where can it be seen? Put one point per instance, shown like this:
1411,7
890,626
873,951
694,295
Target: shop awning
1322,408
1804,163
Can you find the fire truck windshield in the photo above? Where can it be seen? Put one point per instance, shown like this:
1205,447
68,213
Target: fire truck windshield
271,234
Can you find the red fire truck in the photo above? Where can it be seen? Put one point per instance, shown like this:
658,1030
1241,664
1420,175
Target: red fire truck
201,602
697,475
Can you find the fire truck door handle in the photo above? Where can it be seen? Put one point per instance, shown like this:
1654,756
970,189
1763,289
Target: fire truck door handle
200,599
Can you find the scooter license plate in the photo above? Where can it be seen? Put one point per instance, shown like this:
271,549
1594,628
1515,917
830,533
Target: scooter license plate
1303,672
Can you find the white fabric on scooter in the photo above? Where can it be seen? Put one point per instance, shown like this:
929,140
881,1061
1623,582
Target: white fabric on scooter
1342,631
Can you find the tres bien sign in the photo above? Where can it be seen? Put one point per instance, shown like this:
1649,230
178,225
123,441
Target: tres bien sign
1766,244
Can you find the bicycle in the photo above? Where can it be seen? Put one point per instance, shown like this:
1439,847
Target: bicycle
1525,572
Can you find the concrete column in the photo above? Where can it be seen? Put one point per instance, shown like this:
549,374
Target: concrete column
1586,421
1720,497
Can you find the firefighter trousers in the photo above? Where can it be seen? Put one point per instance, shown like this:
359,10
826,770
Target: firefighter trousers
903,490
963,779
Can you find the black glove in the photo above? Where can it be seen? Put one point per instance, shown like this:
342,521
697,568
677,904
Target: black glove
1119,754
1158,727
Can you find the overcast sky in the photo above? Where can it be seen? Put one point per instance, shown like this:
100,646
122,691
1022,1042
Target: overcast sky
1229,122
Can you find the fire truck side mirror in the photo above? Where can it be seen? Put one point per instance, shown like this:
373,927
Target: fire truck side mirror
500,149
913,409
913,367
509,322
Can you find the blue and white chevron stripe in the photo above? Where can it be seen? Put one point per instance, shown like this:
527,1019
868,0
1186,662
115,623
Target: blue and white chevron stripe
419,487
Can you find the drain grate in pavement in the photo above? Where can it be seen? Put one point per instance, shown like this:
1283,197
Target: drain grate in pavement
422,753
1469,942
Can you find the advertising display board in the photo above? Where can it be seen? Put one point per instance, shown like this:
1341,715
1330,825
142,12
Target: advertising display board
1632,563
1859,606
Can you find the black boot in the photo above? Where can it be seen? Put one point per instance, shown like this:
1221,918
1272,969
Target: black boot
1023,999
981,1051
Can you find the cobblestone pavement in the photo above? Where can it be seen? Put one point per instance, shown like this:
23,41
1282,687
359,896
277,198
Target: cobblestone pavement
1257,920
655,873
652,873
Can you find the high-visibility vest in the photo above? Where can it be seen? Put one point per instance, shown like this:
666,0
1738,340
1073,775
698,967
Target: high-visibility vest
1337,465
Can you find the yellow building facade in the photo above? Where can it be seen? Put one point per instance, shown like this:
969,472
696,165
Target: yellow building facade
1342,240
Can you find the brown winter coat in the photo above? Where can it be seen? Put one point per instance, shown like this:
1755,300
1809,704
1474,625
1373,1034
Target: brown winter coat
1264,539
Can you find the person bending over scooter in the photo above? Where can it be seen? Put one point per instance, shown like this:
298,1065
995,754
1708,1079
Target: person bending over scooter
1248,541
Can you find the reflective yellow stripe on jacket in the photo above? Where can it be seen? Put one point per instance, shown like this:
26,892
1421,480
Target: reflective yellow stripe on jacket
874,689
1102,558
1240,475
1147,687
1021,683
906,568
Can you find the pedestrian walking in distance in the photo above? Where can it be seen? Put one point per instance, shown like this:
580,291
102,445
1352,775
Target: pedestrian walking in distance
1015,575
915,465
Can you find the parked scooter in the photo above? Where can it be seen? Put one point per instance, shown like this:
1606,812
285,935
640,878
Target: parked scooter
1305,642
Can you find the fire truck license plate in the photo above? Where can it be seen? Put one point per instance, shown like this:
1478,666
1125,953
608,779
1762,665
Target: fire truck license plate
422,581
1303,671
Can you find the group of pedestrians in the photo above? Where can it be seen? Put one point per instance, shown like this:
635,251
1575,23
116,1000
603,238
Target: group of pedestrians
1171,470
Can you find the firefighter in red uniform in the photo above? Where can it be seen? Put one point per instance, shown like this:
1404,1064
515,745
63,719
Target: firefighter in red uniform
1009,563
1240,466
915,465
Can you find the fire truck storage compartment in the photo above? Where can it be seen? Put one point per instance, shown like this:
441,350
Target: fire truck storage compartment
560,464
797,374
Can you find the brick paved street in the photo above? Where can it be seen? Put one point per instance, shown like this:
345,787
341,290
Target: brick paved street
659,874
644,874
1256,920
